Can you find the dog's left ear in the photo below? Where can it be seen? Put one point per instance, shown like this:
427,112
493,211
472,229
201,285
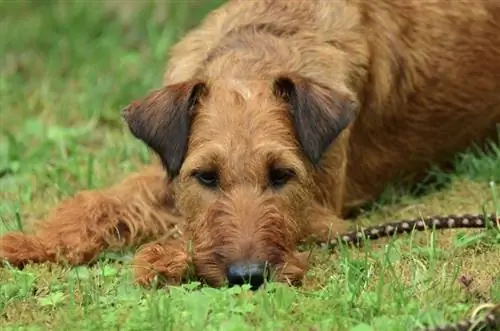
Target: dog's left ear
162,120
319,113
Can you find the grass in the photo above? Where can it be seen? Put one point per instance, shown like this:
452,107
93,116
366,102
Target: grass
67,67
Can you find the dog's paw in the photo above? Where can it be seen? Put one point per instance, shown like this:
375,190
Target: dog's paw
166,264
292,272
18,249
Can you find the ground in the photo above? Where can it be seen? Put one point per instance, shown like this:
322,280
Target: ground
67,68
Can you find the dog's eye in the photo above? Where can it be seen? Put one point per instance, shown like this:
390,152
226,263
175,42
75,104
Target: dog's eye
207,178
279,177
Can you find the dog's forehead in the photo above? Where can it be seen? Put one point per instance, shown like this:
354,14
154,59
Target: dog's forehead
240,122
245,89
242,110
232,90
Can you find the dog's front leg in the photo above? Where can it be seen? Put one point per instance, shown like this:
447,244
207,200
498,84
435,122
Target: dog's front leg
134,211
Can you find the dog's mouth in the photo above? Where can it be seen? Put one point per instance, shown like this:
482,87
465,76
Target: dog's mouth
216,269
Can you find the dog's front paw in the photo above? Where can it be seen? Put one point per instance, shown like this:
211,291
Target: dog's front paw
168,263
292,272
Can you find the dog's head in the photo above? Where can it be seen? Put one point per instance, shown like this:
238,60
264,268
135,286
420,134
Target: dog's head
240,157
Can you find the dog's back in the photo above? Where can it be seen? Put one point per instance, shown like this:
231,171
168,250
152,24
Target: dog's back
433,88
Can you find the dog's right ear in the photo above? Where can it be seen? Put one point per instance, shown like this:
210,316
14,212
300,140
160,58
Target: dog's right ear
162,120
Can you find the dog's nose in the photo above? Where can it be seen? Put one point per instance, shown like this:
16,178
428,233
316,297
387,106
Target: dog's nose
253,273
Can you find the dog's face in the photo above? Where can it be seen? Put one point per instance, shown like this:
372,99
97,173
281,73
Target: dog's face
240,157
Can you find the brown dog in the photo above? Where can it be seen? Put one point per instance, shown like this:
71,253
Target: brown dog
278,117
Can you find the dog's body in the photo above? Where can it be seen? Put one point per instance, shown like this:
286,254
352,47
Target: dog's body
421,70
376,90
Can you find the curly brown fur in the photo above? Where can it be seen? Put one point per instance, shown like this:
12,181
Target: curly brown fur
276,119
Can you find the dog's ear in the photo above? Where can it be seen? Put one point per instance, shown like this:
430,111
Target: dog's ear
162,120
319,113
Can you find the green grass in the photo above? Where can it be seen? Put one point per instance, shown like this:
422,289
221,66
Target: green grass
67,68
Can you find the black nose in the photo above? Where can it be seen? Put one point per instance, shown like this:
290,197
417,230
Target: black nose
253,273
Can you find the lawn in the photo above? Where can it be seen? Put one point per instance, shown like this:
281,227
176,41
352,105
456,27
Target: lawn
67,68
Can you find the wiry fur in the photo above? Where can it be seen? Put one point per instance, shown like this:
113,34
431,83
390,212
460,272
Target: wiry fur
349,95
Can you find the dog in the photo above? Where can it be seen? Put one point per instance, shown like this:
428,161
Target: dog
276,119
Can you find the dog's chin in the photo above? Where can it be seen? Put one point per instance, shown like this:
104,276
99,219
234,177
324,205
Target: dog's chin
212,279
208,270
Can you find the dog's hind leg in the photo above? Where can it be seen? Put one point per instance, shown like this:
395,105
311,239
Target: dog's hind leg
137,209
